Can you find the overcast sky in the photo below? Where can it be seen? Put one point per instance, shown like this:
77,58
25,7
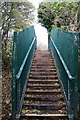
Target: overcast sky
41,32
36,2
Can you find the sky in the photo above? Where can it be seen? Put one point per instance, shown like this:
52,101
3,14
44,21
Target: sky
42,37
35,2
41,32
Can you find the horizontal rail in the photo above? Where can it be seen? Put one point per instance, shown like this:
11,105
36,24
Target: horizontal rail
63,63
24,61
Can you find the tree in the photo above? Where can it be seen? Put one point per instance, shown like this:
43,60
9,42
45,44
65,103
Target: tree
46,15
78,19
61,14
15,16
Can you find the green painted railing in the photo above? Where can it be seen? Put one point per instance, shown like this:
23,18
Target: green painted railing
79,71
24,44
64,47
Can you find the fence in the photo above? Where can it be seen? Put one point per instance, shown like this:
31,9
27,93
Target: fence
24,44
64,46
79,71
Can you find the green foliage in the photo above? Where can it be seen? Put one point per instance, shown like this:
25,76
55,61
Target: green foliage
59,14
64,27
78,19
54,27
15,16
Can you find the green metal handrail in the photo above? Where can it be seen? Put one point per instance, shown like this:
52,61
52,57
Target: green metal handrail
63,63
24,61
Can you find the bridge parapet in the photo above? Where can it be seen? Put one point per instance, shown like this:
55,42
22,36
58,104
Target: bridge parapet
64,47
24,44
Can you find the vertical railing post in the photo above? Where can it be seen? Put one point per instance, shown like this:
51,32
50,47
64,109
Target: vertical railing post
14,97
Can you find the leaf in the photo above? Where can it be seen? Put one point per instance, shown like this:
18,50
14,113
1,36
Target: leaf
7,101
53,14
